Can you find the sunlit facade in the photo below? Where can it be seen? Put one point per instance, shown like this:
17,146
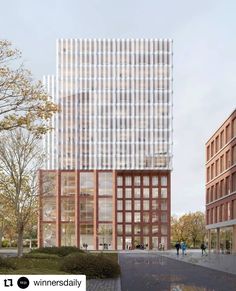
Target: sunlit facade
221,187
110,153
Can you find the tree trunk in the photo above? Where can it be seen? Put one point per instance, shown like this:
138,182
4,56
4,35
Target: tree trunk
1,235
20,243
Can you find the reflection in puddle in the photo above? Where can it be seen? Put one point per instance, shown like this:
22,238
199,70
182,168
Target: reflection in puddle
160,260
184,287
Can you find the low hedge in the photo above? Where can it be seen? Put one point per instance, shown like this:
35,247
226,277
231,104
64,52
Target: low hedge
91,265
59,251
5,264
35,255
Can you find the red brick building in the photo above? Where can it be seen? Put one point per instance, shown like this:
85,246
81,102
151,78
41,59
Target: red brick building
221,187
115,209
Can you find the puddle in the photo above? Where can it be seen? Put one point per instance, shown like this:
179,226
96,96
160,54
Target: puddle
184,287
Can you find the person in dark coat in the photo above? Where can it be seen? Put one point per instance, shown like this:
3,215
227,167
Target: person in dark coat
177,246
203,248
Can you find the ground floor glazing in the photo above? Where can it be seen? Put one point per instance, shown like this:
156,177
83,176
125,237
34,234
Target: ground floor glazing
104,209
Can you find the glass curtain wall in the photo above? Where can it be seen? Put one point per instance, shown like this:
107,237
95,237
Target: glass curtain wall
86,209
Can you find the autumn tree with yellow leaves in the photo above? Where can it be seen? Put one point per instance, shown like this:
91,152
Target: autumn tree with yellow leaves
25,109
23,102
189,228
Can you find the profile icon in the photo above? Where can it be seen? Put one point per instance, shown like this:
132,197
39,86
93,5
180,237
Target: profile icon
23,282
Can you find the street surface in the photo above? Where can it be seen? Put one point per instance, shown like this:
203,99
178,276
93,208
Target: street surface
153,271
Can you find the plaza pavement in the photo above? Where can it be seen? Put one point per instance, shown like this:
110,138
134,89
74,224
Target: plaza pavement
154,271
219,262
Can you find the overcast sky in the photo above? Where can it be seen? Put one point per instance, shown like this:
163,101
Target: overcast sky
204,35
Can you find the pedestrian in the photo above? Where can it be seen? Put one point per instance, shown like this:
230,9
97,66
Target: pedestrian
203,248
177,246
183,247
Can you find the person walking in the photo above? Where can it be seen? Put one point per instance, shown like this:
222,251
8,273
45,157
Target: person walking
177,246
183,248
203,248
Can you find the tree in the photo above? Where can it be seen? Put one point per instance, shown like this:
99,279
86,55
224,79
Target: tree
3,225
178,229
20,158
189,227
195,227
23,103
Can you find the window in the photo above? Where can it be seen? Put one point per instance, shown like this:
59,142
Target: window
137,229
119,217
145,229
227,160
119,229
212,193
49,234
137,217
217,144
227,186
119,181
208,153
234,182
154,217
86,209
212,148
128,216
155,229
128,229
154,205
119,193
217,167
234,209
128,193
68,234
105,183
105,209
163,217
145,192
146,181
137,193
86,184
145,204
228,136
137,181
234,154
221,188
49,209
223,212
155,181
146,217
163,192
217,191
128,180
137,205
163,205
221,163
119,205
163,229
164,181
207,196
212,171
155,193
208,174
128,205
218,214
228,210
234,127
222,139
